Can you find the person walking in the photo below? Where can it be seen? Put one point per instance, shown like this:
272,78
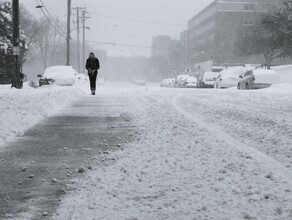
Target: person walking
92,65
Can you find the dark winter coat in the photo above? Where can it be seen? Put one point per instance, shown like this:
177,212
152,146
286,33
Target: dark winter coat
92,64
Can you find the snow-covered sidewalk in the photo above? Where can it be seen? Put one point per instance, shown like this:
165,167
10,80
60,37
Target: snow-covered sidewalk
21,109
183,165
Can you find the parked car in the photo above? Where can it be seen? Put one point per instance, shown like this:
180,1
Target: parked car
191,82
167,82
229,77
180,80
139,82
58,75
207,80
258,79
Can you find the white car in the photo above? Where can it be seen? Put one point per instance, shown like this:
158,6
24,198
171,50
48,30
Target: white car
167,82
207,80
229,77
180,80
59,75
258,79
191,82
139,82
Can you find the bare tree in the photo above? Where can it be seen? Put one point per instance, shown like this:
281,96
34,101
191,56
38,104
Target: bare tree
281,21
48,42
260,39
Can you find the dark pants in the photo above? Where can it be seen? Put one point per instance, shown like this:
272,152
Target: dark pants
92,78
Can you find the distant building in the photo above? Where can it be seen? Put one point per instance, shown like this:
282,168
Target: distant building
213,32
184,43
160,46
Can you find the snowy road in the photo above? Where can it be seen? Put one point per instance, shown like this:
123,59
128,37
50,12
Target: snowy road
199,154
157,154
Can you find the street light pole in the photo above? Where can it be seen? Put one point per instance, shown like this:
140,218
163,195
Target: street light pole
68,32
83,41
187,48
84,18
78,40
78,35
16,78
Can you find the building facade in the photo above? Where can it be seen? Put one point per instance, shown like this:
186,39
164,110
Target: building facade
213,32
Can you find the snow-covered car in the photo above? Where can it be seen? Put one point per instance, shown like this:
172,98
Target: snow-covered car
258,79
207,80
180,80
139,82
167,82
58,75
191,82
229,77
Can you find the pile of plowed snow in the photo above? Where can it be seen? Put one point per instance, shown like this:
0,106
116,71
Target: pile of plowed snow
21,109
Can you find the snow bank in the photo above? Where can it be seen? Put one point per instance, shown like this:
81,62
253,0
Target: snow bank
279,88
285,73
21,109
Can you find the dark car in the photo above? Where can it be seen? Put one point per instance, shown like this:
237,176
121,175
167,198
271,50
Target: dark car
44,81
257,79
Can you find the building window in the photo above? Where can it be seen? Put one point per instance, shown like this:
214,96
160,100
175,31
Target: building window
249,7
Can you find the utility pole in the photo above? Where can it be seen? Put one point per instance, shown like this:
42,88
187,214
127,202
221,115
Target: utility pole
78,36
187,48
84,18
78,41
68,32
16,78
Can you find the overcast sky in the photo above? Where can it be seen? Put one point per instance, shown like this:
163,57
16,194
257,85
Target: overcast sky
127,22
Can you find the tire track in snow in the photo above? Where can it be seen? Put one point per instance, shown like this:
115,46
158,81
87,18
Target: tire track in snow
260,157
146,100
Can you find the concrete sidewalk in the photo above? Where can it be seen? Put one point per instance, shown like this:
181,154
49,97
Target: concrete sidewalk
36,170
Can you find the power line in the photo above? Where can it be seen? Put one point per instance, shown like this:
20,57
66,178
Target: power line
118,44
84,3
50,22
138,21
56,23
125,45
131,45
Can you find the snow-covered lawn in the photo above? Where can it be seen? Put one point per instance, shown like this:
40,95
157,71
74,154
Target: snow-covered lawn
21,109
199,154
